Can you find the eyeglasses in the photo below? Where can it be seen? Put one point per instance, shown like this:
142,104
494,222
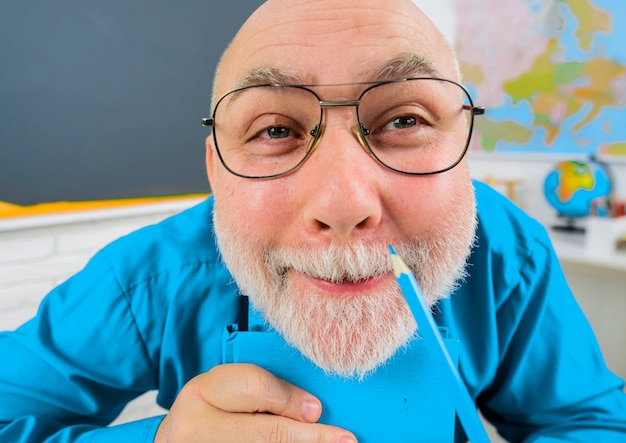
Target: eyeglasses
414,126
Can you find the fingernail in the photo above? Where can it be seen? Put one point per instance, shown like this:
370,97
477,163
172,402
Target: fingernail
311,410
347,440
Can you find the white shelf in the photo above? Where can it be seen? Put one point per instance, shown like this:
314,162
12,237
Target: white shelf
571,248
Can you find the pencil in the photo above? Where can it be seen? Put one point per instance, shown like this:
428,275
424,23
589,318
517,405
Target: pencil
465,407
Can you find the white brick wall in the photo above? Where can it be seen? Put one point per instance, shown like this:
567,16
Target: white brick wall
36,259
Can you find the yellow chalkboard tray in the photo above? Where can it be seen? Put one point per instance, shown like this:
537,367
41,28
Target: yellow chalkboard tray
10,210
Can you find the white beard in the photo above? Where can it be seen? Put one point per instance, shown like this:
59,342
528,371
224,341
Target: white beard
351,335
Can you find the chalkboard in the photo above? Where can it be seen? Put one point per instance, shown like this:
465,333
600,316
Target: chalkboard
103,99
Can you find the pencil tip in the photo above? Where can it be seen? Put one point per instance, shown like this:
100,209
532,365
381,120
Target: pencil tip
398,265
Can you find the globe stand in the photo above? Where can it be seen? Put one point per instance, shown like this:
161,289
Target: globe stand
570,225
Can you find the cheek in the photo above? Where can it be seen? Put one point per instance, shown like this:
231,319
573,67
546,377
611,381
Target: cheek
426,204
259,209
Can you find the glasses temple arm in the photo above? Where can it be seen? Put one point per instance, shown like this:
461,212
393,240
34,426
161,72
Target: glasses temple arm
476,110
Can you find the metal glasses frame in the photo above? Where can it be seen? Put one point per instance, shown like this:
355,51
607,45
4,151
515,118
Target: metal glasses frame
361,131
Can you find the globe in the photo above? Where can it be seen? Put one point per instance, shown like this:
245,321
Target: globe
572,185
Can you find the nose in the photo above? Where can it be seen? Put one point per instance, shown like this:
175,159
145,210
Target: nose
342,185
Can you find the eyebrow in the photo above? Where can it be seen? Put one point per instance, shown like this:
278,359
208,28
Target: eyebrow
397,68
404,66
269,76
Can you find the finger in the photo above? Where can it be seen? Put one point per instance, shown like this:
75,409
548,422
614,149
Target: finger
249,388
259,427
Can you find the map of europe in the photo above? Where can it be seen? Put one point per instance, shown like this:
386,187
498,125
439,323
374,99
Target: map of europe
551,73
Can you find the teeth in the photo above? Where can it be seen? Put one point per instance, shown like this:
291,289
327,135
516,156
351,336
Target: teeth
344,277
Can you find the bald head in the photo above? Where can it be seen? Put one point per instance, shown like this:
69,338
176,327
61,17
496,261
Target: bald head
334,41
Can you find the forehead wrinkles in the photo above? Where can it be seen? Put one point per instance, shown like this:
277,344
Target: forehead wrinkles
311,34
317,21
315,27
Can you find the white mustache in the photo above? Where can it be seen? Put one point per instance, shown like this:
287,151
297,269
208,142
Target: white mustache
354,262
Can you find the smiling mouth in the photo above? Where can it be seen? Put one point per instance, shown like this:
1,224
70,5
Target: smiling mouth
353,268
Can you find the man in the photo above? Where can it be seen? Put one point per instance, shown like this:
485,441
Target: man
338,128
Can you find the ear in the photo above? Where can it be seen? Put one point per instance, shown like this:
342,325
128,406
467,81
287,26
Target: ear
211,166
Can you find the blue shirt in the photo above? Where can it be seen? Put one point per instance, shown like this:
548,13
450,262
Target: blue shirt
148,312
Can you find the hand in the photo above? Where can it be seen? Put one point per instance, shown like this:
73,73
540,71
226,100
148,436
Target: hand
245,403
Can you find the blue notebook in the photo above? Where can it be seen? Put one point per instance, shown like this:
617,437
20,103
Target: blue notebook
403,401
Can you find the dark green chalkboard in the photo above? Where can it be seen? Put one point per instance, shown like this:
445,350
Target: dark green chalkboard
103,99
